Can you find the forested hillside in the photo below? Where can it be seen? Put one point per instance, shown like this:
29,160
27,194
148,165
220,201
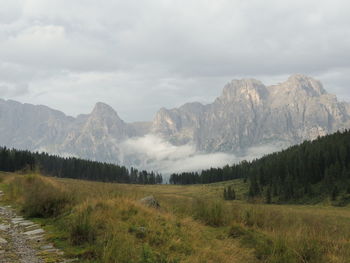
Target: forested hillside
311,169
14,160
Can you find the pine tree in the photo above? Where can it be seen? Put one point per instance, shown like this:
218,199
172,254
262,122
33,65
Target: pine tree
229,193
335,193
268,195
232,193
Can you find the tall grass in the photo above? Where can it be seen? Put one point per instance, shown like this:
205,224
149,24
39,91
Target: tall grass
106,223
280,234
209,212
39,197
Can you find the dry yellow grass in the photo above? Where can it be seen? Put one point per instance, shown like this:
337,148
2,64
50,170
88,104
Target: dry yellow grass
247,232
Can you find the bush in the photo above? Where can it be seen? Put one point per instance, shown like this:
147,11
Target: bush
209,212
39,197
82,229
310,250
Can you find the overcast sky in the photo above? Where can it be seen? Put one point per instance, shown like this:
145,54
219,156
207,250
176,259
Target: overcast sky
140,55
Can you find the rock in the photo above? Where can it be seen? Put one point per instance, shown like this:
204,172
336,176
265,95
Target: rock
51,250
150,201
34,232
4,227
45,247
32,227
17,220
26,223
3,241
36,238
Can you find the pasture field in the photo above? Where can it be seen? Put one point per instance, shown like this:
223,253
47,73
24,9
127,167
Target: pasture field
105,222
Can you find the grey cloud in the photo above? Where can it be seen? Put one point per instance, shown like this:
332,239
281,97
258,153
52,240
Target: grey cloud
13,91
147,54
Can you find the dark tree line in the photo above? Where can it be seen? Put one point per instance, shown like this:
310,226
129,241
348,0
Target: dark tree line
12,160
212,175
311,169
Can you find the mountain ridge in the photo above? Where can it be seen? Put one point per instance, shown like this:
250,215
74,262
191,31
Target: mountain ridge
246,114
249,113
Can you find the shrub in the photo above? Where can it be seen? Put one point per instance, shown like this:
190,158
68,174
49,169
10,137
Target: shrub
39,197
209,212
82,230
310,250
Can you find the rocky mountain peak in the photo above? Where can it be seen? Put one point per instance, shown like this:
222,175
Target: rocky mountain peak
306,84
251,89
103,108
105,112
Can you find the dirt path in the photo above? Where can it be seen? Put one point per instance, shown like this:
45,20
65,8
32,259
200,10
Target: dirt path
23,241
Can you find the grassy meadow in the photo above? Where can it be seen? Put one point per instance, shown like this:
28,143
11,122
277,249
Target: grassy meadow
105,222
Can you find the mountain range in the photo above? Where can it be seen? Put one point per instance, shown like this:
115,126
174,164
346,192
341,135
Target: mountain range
246,114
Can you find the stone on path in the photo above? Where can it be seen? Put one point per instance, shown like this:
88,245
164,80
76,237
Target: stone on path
4,227
32,226
49,246
34,232
17,220
26,223
3,241
36,238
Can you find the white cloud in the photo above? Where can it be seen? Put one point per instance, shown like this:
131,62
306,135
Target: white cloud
154,153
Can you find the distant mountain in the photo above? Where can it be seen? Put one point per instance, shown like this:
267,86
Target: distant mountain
247,114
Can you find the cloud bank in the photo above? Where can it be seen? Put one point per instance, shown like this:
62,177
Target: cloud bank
154,153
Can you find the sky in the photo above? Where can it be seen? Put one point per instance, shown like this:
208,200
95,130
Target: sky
141,55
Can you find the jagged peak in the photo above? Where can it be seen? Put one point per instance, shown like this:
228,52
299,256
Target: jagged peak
246,87
310,85
103,109
194,106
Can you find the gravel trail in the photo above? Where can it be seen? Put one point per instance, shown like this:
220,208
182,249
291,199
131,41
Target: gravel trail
22,241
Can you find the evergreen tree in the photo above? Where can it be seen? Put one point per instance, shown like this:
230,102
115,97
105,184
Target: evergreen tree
229,193
12,160
268,195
